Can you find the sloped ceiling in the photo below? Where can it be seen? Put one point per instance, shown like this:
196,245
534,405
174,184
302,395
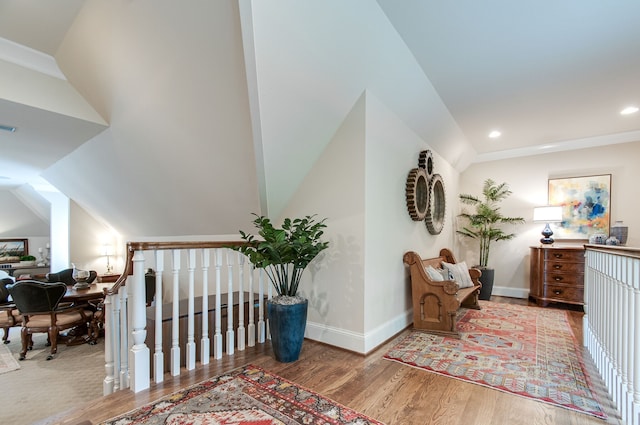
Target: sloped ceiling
547,74
175,85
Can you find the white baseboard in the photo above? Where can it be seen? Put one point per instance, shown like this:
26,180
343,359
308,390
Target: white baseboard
510,292
365,342
355,341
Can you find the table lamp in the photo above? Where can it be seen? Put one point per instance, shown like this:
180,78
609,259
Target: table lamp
547,214
108,251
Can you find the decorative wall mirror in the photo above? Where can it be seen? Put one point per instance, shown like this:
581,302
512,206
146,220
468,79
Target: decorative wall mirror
425,194
437,201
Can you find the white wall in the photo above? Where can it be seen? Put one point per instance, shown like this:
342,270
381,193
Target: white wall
87,240
313,61
19,221
392,150
358,289
528,179
335,189
177,158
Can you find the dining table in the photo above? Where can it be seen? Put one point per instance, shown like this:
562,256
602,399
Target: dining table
90,295
94,291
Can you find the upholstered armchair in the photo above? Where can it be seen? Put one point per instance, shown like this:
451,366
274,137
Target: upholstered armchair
66,276
39,304
9,314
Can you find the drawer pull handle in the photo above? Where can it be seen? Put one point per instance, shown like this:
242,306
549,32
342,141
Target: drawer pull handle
557,292
557,278
557,266
557,255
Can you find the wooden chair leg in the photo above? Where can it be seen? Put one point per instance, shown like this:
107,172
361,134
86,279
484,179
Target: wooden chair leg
24,336
53,337
94,332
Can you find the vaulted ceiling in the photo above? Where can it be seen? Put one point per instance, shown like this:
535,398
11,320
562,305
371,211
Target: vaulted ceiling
549,75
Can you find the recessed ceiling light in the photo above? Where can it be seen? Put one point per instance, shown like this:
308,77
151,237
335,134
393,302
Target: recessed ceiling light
495,134
629,110
7,128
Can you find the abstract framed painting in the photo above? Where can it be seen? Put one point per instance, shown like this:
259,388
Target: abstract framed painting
12,249
586,205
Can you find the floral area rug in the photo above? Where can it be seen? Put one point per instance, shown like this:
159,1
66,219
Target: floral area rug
7,361
528,351
249,395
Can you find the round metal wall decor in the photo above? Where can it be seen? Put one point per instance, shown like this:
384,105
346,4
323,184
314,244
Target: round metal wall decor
417,193
425,194
426,162
437,201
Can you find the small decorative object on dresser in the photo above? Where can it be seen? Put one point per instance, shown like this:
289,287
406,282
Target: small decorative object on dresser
557,275
620,231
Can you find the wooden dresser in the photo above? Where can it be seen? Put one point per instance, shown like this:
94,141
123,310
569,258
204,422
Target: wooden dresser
557,275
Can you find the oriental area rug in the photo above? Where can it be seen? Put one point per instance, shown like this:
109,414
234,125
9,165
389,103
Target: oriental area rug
527,351
249,395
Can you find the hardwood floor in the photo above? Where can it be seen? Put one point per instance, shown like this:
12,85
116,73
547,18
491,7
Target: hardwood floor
384,390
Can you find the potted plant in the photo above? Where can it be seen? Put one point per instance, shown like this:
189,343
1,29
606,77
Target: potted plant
483,224
284,253
27,260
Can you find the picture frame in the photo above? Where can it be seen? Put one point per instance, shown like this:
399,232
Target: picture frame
586,205
12,249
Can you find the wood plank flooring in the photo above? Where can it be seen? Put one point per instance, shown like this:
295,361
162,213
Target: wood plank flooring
384,390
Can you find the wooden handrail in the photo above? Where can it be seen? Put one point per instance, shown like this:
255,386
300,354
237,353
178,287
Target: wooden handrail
148,246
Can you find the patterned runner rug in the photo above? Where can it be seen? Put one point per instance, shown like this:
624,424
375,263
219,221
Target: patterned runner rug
7,361
528,351
249,395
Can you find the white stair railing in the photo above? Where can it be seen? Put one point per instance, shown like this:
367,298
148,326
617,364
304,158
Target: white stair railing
612,323
129,361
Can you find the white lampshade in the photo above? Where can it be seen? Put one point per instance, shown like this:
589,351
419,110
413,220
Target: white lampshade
547,214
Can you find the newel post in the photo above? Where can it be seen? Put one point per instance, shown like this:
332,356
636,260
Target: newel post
139,354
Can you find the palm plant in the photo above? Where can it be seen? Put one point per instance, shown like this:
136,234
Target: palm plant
483,222
284,252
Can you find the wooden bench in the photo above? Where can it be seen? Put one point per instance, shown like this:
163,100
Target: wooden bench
435,303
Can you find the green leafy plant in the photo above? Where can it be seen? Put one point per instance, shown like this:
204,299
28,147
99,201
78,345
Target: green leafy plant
27,258
284,252
484,221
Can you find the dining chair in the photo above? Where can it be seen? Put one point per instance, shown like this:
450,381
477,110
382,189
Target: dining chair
66,276
9,314
38,303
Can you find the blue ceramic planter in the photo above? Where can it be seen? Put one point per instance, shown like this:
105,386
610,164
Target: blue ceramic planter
287,324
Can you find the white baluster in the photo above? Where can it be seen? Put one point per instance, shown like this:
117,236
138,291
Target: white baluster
191,342
175,325
109,337
230,334
116,339
217,338
269,296
241,330
205,343
158,355
139,361
635,409
261,324
125,339
251,329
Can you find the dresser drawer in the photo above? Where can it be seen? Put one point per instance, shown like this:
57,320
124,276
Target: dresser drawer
563,293
564,279
564,255
560,267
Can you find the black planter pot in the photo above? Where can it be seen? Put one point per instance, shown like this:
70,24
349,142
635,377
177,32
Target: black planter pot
487,283
287,323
